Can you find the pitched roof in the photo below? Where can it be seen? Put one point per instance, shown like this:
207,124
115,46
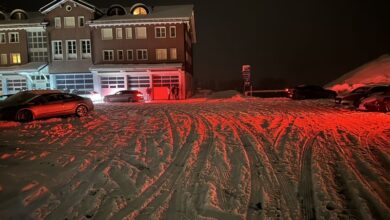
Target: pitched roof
29,67
158,12
33,19
54,4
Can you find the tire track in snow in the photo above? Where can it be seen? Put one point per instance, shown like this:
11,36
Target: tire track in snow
167,180
364,198
84,178
260,181
305,187
177,202
287,190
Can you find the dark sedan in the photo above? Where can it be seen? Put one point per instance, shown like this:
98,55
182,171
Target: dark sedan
36,104
353,98
310,92
379,102
125,96
4,97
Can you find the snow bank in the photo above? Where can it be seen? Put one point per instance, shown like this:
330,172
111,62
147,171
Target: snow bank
228,94
374,72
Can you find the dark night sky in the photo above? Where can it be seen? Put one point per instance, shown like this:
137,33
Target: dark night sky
303,41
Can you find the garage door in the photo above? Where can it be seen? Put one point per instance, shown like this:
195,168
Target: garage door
161,85
112,84
16,85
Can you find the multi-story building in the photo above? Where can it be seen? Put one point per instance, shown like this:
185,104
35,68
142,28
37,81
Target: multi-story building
23,52
105,50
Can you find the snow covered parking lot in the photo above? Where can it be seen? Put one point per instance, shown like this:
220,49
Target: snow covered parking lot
212,159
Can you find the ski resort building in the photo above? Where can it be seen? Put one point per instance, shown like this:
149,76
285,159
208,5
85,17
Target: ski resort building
73,45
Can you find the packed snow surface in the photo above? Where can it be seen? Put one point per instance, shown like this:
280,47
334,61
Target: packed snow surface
227,159
375,72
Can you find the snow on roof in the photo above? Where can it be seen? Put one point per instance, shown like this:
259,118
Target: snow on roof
33,18
228,94
132,67
158,12
54,4
29,67
374,72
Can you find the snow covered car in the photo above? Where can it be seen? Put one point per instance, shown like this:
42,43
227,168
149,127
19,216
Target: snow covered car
36,104
94,96
310,92
379,102
354,97
125,96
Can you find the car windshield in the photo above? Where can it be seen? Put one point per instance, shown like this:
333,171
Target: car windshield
360,90
21,97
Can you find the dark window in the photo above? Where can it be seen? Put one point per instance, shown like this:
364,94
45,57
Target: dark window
116,10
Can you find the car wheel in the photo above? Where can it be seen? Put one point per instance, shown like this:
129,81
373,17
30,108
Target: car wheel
298,96
130,100
24,116
81,111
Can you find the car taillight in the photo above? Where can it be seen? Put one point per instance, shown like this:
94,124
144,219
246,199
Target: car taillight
140,95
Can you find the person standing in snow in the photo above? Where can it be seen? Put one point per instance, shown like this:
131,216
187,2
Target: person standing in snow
149,93
169,92
176,93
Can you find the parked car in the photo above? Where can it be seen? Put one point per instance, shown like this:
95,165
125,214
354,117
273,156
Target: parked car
36,104
310,92
4,97
379,102
94,96
125,96
354,97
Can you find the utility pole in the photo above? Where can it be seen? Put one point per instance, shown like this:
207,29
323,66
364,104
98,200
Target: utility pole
246,75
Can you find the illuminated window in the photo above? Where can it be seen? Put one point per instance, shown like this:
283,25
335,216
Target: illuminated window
140,11
140,33
172,31
129,33
81,21
142,54
173,53
15,58
107,34
160,32
119,54
57,22
69,22
130,55
161,54
2,38
3,59
13,37
108,55
118,33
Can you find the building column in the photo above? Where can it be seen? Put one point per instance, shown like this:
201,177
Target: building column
96,83
182,84
3,85
52,81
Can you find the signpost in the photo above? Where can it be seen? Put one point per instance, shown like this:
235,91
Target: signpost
246,75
